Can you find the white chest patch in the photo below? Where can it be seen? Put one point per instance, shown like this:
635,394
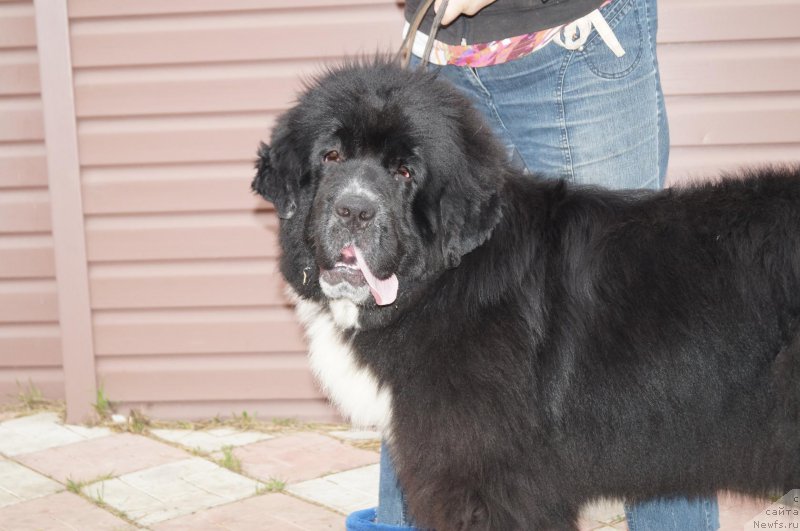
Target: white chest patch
344,313
351,387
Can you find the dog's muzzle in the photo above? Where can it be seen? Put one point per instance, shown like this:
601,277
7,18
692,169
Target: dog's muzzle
353,217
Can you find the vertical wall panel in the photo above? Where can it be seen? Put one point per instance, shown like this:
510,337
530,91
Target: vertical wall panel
30,340
66,205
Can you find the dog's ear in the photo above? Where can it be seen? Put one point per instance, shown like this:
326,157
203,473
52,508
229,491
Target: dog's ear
469,208
278,173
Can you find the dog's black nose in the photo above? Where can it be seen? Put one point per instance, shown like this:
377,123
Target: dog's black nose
355,211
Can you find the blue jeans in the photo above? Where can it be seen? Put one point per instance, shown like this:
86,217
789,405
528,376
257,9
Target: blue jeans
587,115
590,117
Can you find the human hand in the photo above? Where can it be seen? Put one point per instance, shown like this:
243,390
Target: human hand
455,8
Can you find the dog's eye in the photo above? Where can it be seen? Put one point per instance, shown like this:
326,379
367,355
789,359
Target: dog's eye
403,173
332,156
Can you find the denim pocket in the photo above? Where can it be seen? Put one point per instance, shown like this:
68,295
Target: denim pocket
626,20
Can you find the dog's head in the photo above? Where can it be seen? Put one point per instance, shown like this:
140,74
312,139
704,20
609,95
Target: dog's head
382,178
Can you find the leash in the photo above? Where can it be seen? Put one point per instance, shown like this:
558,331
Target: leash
404,54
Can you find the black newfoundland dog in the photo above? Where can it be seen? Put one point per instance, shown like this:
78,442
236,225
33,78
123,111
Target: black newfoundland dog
525,344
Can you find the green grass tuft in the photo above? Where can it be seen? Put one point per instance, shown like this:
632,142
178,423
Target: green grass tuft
75,486
30,397
230,461
271,485
102,405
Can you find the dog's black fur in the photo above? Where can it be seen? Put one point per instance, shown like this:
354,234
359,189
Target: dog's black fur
550,344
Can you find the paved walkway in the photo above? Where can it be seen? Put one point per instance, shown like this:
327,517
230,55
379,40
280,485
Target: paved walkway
59,477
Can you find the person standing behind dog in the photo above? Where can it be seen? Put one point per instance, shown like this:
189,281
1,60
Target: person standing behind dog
572,89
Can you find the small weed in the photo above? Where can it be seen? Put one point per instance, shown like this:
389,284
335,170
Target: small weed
271,485
197,451
137,422
230,461
245,421
75,486
30,397
285,422
102,405
101,496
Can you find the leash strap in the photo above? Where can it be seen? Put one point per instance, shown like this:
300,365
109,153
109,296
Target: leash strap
404,54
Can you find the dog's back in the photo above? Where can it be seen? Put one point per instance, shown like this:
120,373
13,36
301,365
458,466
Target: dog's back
685,305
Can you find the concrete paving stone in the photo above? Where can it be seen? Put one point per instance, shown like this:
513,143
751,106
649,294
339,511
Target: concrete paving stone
172,490
7,415
602,512
211,440
270,512
736,511
344,492
301,456
356,435
43,430
364,480
18,484
59,512
114,455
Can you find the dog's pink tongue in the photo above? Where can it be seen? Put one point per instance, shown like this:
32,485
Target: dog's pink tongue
383,291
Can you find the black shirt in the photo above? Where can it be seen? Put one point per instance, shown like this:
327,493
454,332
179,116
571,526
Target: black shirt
505,18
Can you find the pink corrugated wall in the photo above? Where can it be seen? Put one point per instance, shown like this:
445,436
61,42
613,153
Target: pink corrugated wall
30,342
731,74
170,100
